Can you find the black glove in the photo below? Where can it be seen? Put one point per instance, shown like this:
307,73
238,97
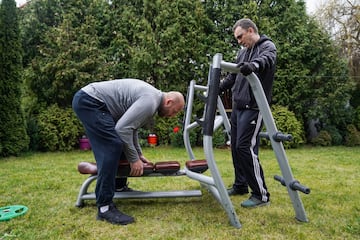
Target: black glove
246,68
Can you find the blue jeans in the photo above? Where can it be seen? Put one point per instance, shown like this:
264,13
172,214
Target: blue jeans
105,143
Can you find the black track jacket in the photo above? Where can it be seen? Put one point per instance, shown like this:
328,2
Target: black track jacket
263,53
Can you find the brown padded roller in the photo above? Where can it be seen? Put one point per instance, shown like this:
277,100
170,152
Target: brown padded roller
87,168
168,167
124,168
198,166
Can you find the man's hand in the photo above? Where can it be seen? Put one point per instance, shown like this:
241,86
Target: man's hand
137,168
143,159
246,68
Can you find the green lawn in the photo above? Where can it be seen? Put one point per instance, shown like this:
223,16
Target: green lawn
48,184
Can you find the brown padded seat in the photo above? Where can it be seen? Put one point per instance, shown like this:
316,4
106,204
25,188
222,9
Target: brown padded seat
87,168
124,168
198,166
166,168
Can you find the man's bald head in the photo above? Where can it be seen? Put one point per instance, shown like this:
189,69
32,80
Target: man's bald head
173,102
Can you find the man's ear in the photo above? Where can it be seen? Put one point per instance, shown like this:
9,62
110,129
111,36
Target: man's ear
168,101
171,102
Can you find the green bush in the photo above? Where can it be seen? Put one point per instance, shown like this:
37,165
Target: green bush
143,133
177,139
336,137
357,118
58,129
322,139
163,127
219,137
287,123
33,133
352,137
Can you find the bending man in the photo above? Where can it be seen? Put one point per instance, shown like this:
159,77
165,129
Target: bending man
112,112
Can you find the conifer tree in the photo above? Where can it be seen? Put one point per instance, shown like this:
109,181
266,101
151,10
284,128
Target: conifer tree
13,137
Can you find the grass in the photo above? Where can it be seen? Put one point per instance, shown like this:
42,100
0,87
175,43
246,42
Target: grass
48,184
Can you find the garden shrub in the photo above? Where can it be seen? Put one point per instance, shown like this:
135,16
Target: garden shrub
33,133
336,137
143,133
177,139
357,118
219,137
58,129
322,139
352,137
287,123
163,127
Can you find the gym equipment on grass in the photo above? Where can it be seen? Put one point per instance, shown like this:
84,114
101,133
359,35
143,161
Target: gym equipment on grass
276,138
9,212
214,116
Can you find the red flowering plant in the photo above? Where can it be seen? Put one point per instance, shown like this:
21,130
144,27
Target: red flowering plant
176,129
176,137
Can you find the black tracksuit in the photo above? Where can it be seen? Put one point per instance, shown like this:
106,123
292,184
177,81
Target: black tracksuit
246,120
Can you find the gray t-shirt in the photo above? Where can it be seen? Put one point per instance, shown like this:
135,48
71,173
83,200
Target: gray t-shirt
132,103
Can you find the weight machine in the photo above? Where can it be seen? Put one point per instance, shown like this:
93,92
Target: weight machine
213,117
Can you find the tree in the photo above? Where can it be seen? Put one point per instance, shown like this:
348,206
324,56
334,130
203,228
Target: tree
13,137
310,79
64,54
36,18
69,55
341,19
162,42
313,79
169,43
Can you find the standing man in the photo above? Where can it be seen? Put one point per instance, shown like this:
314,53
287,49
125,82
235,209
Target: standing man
258,55
112,112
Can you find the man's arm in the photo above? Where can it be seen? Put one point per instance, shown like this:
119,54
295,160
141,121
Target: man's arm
135,117
266,57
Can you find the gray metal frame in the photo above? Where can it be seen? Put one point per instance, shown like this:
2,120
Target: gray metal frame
85,194
214,183
212,119
276,138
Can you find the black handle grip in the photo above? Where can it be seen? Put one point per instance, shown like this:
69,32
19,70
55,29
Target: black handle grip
294,185
280,179
280,137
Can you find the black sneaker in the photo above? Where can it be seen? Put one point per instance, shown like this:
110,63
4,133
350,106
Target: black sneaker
232,191
125,189
114,216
